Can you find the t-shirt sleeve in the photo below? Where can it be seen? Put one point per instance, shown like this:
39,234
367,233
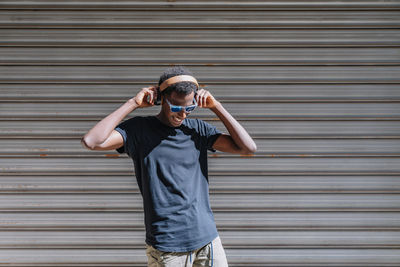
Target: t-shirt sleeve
211,133
126,129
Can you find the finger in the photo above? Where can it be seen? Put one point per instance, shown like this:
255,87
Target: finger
151,97
198,94
149,101
152,88
210,98
204,98
147,98
155,94
200,101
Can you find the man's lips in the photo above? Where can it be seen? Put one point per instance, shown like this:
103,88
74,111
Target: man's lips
177,120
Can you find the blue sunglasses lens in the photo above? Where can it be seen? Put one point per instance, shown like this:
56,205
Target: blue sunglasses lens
179,108
175,108
190,108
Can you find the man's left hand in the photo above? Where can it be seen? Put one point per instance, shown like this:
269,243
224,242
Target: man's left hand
205,99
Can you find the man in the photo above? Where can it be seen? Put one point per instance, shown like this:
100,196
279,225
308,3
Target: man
169,152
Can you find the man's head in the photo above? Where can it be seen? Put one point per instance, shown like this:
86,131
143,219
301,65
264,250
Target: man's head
180,87
179,94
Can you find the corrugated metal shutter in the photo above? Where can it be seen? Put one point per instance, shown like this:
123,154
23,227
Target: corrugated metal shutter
316,83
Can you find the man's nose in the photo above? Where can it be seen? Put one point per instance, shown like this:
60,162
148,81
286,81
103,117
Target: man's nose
182,114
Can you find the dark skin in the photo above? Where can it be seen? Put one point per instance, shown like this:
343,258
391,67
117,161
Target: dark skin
238,141
103,136
174,119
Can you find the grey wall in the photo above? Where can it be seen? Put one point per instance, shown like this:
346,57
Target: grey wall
316,83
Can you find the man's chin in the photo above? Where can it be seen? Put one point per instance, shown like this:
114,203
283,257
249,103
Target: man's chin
175,123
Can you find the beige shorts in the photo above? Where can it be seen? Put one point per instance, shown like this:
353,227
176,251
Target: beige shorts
212,255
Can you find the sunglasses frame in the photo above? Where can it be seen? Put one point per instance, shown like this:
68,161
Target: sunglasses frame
182,107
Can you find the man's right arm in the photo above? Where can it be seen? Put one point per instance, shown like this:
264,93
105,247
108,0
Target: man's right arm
103,136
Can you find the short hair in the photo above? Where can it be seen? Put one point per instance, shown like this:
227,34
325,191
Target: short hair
180,87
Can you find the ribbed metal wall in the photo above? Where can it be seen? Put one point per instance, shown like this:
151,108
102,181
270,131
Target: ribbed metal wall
316,83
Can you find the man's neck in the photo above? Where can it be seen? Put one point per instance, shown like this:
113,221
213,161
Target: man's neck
161,117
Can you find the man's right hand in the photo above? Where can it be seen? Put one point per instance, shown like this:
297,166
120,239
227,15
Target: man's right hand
146,97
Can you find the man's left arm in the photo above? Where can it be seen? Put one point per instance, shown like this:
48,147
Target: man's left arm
238,141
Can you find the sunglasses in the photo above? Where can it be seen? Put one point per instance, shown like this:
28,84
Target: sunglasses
187,109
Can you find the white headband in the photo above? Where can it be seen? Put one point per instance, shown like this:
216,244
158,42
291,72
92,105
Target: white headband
176,79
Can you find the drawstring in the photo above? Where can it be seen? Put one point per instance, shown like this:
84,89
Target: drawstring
190,255
211,254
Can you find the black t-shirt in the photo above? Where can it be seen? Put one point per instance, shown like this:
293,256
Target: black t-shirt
172,175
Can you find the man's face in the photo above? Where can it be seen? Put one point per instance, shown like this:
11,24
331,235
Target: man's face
175,119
